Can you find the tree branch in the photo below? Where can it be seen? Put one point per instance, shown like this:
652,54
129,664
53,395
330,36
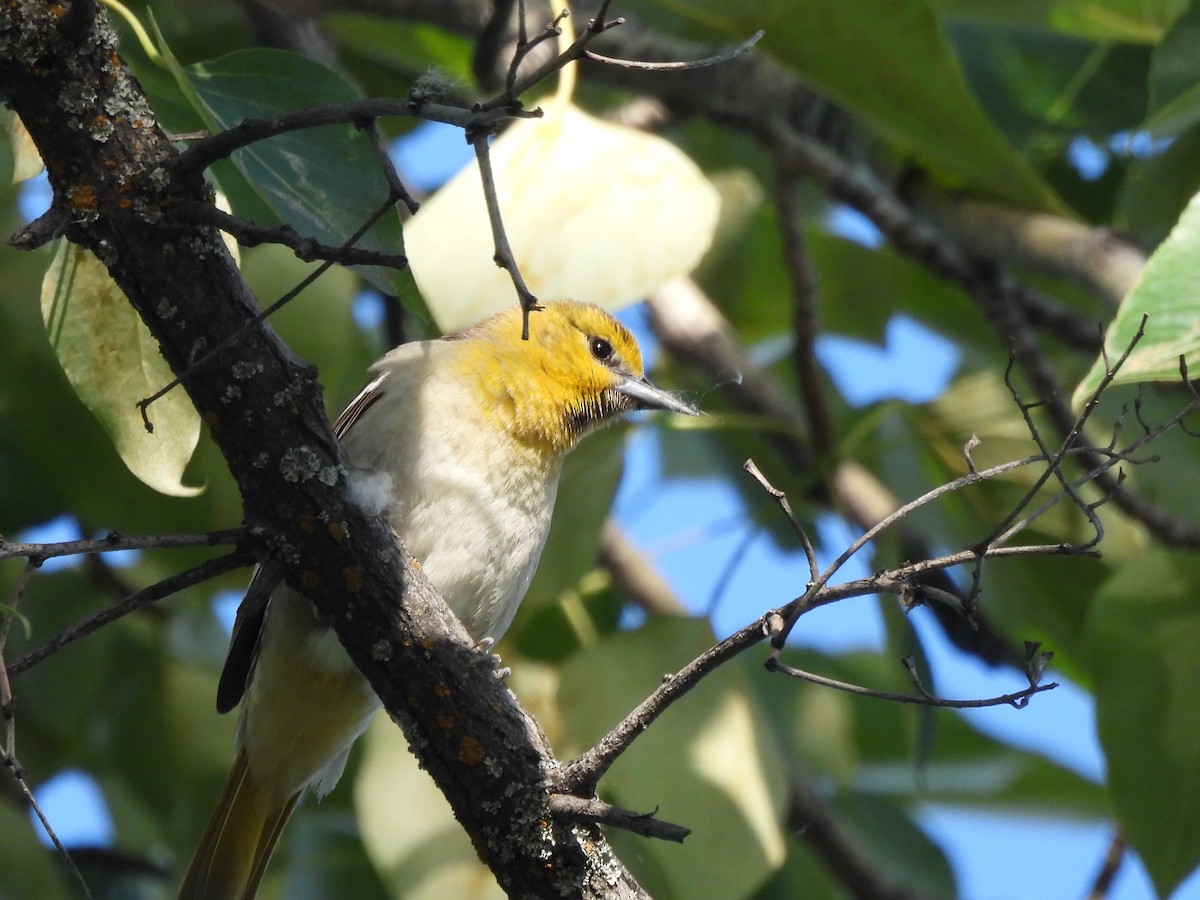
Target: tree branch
491,761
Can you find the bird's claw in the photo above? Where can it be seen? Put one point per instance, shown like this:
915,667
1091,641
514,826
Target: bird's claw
491,660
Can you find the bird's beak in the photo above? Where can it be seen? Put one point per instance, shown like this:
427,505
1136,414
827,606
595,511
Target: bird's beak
647,396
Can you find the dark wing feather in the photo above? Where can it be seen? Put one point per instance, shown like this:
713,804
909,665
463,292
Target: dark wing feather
243,644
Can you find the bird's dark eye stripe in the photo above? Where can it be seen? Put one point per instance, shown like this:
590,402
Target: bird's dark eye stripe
601,349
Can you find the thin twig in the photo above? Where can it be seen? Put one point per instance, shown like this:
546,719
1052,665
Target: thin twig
7,701
810,377
680,66
203,572
18,771
202,154
1005,301
144,405
581,809
306,249
581,775
1108,871
396,186
781,499
518,85
525,46
8,713
503,250
1018,700
114,542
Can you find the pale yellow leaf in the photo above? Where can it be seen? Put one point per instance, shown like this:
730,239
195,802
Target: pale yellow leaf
417,846
594,211
27,163
112,362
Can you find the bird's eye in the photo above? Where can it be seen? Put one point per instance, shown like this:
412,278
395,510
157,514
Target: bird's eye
601,349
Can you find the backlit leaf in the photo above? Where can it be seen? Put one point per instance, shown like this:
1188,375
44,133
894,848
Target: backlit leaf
594,211
112,362
1168,294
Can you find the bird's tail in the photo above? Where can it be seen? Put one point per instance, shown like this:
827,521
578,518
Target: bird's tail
240,837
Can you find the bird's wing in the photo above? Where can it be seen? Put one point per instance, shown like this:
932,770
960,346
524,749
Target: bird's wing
243,643
359,405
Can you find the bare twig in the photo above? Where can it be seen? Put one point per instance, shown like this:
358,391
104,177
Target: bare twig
14,765
810,378
8,713
1018,700
580,809
203,572
581,775
517,85
204,153
1108,870
396,186
307,249
114,542
503,250
781,499
1005,301
683,65
144,404
526,45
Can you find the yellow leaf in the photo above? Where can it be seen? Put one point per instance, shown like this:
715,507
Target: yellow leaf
27,163
112,361
594,211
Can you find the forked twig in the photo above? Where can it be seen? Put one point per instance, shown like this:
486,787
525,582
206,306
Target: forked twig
583,773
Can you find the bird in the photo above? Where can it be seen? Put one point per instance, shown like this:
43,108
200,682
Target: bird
459,441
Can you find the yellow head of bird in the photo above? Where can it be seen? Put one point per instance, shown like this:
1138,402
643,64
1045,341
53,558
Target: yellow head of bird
579,369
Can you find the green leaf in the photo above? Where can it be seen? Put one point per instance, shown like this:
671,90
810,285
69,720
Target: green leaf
904,851
1139,21
862,55
27,869
707,763
1155,192
1141,639
1043,88
1168,293
112,361
324,182
1175,77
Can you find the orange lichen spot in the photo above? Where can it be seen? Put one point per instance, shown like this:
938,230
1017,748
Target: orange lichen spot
308,524
309,580
470,752
99,120
442,689
125,203
58,10
337,531
352,578
446,723
82,198
426,645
